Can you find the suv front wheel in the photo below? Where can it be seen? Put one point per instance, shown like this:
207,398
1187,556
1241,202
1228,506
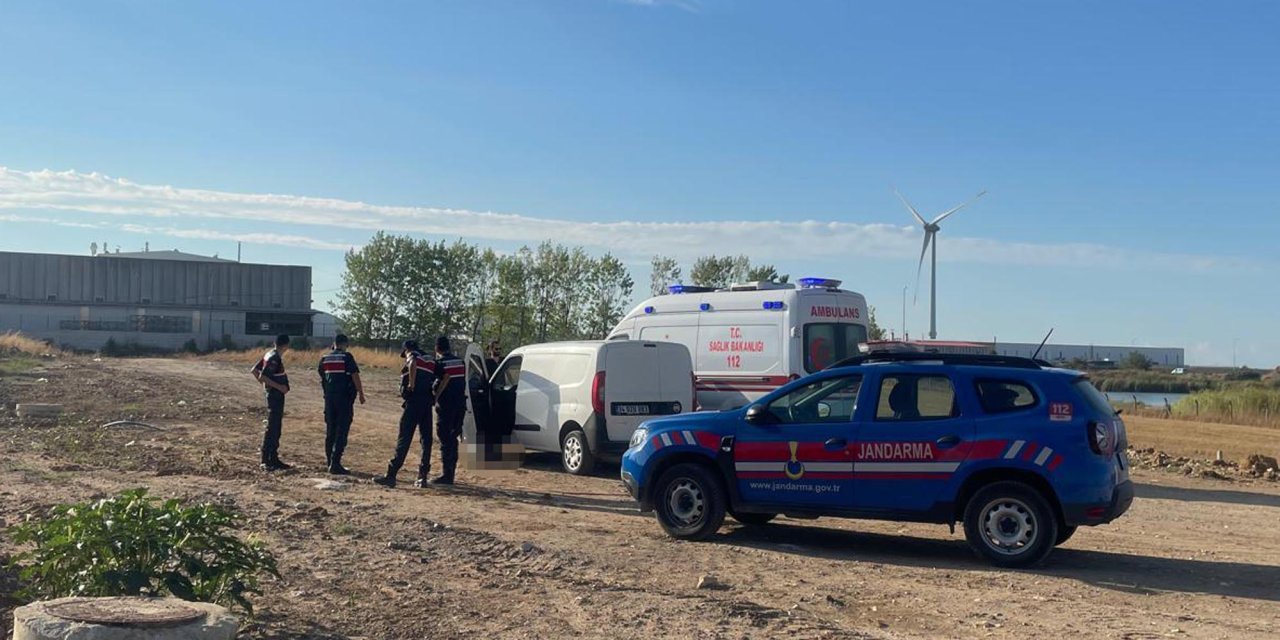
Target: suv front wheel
689,502
1010,524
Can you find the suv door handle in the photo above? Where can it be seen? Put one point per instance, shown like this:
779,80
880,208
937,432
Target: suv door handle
946,442
835,444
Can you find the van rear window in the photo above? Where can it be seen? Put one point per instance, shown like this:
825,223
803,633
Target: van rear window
828,343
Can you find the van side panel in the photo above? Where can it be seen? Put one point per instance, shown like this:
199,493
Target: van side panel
551,386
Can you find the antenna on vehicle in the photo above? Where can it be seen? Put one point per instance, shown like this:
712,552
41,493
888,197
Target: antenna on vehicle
1046,339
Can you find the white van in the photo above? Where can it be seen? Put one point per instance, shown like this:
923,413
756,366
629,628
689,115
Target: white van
751,338
581,399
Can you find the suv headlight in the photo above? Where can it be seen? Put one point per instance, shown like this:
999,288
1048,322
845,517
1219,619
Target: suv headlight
638,437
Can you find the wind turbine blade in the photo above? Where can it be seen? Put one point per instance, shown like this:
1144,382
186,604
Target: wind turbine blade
955,209
910,208
928,235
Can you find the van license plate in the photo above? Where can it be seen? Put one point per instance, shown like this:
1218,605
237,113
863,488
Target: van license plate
632,409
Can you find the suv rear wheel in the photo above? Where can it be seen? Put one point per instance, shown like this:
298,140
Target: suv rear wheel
1010,524
689,502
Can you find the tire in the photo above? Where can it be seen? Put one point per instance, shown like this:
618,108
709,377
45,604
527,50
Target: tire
1010,525
575,453
753,519
689,502
1064,534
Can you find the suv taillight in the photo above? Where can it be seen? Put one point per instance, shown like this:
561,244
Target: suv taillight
597,393
1101,437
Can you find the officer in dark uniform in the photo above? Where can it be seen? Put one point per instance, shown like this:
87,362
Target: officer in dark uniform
451,403
340,380
492,357
416,379
270,372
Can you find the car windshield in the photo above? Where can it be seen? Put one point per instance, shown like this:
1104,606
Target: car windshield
828,343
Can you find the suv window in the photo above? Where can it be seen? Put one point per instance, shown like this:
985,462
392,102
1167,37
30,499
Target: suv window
1003,396
829,400
909,396
1096,399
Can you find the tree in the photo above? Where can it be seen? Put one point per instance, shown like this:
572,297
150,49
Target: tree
720,272
1135,360
611,288
664,271
874,330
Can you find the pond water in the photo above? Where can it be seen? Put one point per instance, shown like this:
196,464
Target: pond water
1149,399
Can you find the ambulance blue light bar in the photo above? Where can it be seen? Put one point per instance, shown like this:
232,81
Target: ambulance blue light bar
688,288
819,283
706,306
773,304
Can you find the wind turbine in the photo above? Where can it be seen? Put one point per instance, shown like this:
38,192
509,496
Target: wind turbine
930,232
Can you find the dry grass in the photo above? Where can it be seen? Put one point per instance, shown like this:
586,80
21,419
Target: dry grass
13,342
366,357
1202,439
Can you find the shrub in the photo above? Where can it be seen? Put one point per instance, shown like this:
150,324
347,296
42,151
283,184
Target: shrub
190,346
134,544
17,343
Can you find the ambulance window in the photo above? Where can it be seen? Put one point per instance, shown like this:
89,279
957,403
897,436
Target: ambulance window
825,401
508,375
911,397
828,343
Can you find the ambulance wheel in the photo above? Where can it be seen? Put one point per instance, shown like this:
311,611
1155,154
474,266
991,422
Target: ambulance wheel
754,519
689,502
575,453
1064,534
1010,524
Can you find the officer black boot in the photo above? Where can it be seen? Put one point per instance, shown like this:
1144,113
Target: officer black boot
336,468
422,481
388,481
442,479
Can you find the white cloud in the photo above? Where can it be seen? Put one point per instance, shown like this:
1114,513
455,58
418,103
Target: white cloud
776,240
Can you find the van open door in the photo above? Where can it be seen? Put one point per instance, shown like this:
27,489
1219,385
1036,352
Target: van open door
477,395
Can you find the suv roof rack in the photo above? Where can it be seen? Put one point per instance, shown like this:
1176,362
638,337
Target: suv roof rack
945,358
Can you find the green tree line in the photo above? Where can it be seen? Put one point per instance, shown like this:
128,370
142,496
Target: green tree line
396,287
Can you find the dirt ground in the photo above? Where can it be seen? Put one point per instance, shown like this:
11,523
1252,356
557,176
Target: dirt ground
536,553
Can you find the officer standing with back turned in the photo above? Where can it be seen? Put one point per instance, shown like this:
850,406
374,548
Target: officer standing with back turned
340,380
270,372
416,378
451,401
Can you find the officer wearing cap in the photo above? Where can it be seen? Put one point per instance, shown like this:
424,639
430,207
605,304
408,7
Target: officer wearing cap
340,380
270,372
451,403
416,378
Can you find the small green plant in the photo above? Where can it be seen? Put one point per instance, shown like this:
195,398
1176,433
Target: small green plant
190,346
136,544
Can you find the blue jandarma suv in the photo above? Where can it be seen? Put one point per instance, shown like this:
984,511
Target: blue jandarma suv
1020,452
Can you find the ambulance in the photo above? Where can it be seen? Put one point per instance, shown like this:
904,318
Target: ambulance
752,338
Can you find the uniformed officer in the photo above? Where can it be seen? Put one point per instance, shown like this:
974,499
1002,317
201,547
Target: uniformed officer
416,377
270,372
451,403
340,380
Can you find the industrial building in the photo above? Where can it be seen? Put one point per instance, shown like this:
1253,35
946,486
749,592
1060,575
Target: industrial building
162,299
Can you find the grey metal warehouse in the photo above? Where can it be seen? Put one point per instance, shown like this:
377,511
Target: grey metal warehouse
154,298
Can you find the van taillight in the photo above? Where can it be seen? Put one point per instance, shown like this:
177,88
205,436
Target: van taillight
693,384
597,393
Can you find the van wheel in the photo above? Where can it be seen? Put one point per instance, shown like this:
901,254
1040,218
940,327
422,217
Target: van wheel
1064,534
754,519
1010,524
689,502
575,453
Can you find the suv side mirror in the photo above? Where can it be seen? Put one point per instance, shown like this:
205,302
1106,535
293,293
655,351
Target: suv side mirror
758,414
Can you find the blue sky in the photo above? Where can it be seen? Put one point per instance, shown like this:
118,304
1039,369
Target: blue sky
1131,150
